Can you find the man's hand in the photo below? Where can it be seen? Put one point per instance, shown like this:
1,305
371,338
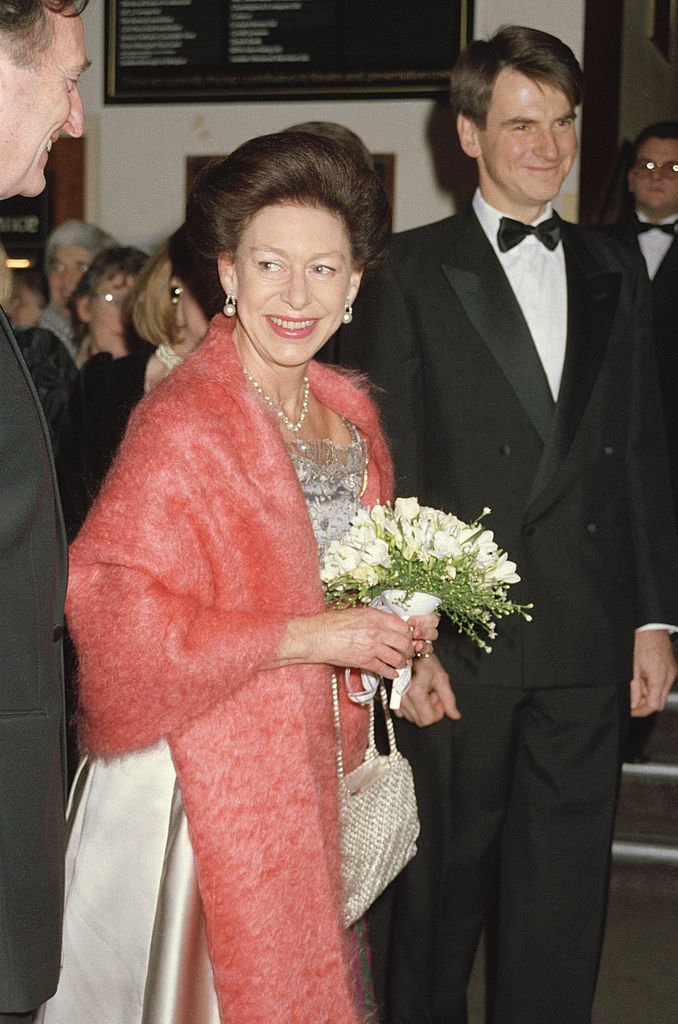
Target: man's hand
430,696
654,671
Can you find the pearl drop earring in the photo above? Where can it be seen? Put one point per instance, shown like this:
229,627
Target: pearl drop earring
230,304
348,313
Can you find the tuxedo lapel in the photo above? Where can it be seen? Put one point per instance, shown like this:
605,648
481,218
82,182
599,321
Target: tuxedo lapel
664,281
477,278
592,299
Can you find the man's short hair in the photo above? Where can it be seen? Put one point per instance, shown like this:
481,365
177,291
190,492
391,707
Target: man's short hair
25,30
659,130
537,55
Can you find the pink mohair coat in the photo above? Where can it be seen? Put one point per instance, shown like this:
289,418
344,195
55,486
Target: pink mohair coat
195,555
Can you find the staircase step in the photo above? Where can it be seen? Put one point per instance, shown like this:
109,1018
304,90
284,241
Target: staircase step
657,850
647,867
648,801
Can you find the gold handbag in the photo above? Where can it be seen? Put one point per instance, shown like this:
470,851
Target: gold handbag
378,819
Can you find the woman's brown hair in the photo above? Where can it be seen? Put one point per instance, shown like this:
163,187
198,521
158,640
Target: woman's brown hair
288,169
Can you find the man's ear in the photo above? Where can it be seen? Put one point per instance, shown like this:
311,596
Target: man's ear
468,136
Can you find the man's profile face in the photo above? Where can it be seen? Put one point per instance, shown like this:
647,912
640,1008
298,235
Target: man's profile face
655,191
37,102
527,146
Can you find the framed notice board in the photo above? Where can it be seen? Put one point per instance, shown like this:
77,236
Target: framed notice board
160,51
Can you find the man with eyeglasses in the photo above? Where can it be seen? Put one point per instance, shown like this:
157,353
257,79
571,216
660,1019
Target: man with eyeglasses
653,183
651,227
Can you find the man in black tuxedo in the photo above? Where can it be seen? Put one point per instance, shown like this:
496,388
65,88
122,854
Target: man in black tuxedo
513,355
41,58
651,229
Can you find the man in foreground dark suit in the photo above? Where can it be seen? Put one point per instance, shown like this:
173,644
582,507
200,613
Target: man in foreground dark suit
41,58
514,354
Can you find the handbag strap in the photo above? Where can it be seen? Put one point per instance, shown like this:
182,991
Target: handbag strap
371,743
390,731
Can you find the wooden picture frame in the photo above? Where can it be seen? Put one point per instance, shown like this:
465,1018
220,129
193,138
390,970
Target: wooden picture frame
216,50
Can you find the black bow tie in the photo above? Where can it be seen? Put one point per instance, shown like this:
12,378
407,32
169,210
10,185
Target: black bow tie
511,232
668,229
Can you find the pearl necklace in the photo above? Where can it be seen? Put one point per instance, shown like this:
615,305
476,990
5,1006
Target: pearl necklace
280,413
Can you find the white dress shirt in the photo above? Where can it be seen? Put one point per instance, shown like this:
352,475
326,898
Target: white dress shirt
654,245
539,282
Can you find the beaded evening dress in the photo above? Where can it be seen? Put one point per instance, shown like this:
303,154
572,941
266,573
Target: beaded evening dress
135,949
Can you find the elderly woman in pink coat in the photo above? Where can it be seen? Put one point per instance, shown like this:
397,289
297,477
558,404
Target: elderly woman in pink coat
203,870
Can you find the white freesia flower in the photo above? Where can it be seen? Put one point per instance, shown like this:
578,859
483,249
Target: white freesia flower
504,571
406,508
445,545
412,540
362,529
365,573
376,552
485,546
378,514
339,560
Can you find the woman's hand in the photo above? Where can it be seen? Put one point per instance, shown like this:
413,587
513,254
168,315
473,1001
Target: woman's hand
363,638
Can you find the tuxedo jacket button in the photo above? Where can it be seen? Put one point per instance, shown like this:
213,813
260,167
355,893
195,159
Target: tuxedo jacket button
530,530
591,527
505,449
608,449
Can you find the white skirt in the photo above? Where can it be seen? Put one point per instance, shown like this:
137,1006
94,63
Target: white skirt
135,949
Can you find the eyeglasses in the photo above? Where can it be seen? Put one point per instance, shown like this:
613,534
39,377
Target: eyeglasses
663,169
111,299
59,268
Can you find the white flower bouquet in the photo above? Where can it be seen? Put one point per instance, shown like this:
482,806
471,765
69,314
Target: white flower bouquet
416,551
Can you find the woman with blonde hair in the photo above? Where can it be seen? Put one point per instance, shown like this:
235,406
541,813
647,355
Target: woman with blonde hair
175,296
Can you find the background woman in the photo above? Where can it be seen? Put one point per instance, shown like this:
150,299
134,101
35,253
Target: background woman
172,301
205,647
69,251
101,301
